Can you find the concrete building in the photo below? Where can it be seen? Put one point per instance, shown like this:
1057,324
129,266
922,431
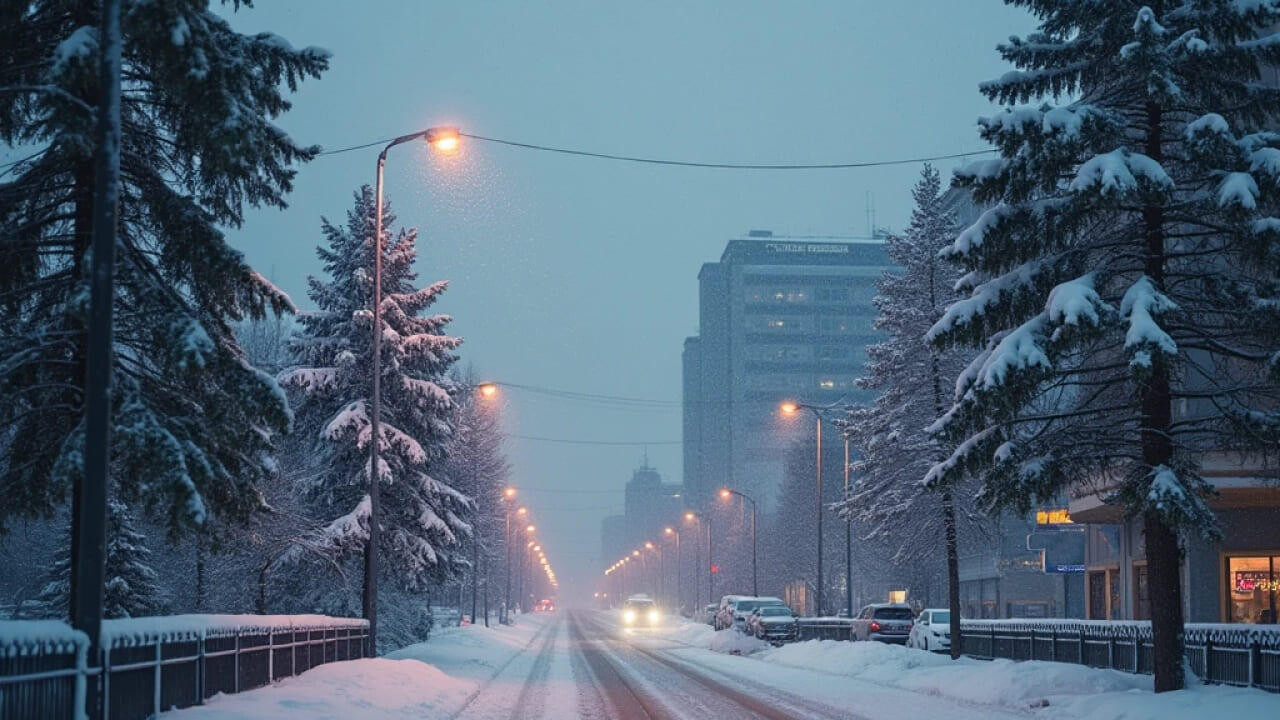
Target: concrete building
649,505
1031,567
780,318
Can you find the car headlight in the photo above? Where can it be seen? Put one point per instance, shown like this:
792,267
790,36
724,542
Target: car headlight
654,616
629,617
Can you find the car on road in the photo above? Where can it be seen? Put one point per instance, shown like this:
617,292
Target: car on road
931,630
640,610
774,624
734,610
885,622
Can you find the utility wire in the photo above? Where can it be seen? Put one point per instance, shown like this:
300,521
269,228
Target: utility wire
685,163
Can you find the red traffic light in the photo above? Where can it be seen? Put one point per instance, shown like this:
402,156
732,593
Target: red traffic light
715,569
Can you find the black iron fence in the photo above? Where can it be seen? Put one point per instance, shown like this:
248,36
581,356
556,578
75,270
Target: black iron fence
1244,655
154,664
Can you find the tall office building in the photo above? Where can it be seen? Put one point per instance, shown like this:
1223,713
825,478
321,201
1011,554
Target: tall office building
780,318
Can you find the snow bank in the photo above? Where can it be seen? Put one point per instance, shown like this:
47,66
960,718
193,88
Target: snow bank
370,689
735,643
1052,690
427,680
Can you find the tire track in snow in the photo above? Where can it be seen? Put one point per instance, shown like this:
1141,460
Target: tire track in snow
497,673
533,695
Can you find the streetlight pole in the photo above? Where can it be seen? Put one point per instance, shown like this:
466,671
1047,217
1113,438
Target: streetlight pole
848,537
442,138
726,493
791,408
679,593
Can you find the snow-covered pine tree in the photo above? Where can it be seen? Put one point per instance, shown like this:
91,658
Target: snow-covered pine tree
193,421
1123,287
423,517
889,502
131,585
476,465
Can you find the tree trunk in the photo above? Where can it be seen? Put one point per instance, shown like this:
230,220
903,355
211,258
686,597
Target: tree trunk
1164,557
475,574
953,569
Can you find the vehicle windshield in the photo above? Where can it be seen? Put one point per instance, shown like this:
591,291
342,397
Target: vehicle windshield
639,604
746,606
940,618
773,611
892,614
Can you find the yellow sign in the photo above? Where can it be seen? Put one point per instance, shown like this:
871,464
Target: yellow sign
1053,517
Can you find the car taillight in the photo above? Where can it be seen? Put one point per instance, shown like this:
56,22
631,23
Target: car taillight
875,626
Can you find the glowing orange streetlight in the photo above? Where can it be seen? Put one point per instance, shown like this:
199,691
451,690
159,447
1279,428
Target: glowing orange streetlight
522,511
488,390
531,528
789,408
648,545
690,517
445,139
509,493
724,493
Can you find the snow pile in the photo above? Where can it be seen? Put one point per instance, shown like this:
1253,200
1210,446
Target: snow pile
1053,690
427,680
689,633
732,642
370,689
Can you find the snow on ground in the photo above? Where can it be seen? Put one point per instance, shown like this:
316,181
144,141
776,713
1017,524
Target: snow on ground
426,680
370,689
1050,690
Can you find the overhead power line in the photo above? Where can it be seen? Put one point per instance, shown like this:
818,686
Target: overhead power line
671,162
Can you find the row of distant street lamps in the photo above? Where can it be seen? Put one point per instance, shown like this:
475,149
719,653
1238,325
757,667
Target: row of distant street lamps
788,408
517,527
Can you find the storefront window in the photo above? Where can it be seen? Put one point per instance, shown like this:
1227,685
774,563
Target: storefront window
1141,595
1252,585
1098,595
1113,588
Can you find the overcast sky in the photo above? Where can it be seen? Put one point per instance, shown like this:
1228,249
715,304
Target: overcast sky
581,274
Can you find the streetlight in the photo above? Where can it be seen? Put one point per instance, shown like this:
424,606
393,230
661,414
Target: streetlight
488,389
672,532
791,408
725,494
444,139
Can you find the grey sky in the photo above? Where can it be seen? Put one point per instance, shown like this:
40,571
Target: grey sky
581,274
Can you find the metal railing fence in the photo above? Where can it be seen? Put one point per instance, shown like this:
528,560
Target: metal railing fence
154,664
1243,655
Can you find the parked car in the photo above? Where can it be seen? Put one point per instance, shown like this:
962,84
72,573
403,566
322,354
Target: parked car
733,614
886,622
773,623
724,612
931,630
709,614
640,610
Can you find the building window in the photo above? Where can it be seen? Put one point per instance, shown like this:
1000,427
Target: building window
1098,595
831,294
832,352
1141,593
1253,583
1113,592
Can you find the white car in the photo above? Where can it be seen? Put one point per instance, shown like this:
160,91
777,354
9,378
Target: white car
931,631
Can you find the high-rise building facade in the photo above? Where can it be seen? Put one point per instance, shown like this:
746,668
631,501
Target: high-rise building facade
780,318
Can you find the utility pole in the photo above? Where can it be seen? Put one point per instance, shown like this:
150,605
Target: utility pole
89,530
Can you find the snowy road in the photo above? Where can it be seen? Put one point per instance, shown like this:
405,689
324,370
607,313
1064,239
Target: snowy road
582,665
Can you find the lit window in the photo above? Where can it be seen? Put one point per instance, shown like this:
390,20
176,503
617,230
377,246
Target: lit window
827,384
